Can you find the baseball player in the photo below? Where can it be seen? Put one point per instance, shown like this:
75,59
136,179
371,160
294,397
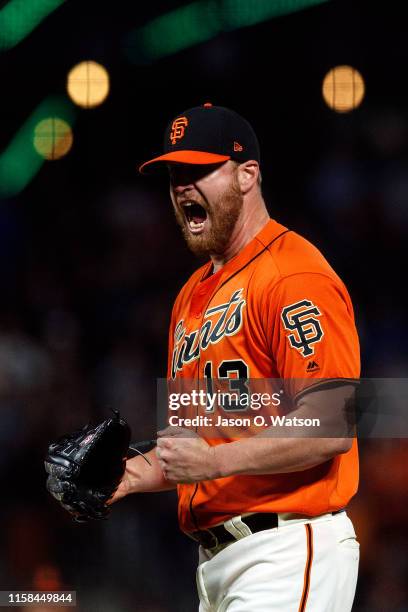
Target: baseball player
267,512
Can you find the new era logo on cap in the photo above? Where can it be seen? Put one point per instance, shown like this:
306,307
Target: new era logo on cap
207,135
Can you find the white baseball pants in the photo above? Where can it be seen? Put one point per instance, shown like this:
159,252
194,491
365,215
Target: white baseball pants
307,564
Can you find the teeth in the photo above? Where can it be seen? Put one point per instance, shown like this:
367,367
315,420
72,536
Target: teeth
187,204
195,225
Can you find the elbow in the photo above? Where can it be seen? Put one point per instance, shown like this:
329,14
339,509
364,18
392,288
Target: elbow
339,446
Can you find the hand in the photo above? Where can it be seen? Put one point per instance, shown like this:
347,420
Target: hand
184,456
123,489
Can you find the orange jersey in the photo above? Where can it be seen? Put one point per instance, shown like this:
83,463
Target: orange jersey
277,310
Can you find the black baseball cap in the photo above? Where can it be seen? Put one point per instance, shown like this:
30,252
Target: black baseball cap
206,134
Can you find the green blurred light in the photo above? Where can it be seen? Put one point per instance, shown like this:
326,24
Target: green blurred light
179,29
200,21
19,18
20,162
243,13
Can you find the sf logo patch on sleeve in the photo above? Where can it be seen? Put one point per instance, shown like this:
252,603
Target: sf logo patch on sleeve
301,319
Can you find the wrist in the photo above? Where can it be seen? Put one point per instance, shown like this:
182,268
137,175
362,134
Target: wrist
219,462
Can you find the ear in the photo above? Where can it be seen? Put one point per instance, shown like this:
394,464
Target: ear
248,173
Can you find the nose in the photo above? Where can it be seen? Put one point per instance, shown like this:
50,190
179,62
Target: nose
181,180
180,188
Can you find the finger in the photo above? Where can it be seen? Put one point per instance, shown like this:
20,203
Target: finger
163,443
177,432
168,432
167,474
162,455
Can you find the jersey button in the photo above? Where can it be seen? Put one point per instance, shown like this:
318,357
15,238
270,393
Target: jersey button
198,315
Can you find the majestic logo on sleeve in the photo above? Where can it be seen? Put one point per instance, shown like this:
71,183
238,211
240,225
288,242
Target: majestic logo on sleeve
221,321
301,319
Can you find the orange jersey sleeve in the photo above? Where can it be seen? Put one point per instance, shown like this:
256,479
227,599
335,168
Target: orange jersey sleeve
310,329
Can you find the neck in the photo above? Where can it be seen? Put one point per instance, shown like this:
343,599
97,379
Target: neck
252,219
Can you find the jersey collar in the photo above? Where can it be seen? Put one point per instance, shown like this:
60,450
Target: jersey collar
261,242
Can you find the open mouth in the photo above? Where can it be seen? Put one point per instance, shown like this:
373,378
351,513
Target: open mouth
196,216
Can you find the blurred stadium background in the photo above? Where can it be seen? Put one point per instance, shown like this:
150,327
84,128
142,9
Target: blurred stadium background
91,259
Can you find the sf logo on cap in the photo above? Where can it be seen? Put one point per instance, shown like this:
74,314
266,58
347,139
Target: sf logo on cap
177,129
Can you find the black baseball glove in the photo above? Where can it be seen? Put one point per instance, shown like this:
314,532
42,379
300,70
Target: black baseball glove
85,468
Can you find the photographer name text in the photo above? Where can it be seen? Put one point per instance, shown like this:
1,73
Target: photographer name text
258,421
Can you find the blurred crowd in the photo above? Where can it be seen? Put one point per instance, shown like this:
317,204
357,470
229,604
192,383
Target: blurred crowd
87,285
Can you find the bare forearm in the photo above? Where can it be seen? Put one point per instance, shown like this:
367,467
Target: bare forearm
267,453
261,455
142,477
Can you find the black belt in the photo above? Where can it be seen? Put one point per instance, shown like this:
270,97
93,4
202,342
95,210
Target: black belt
210,538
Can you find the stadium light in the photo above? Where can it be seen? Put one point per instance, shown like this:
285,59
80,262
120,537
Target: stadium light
88,84
53,138
343,89
20,161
